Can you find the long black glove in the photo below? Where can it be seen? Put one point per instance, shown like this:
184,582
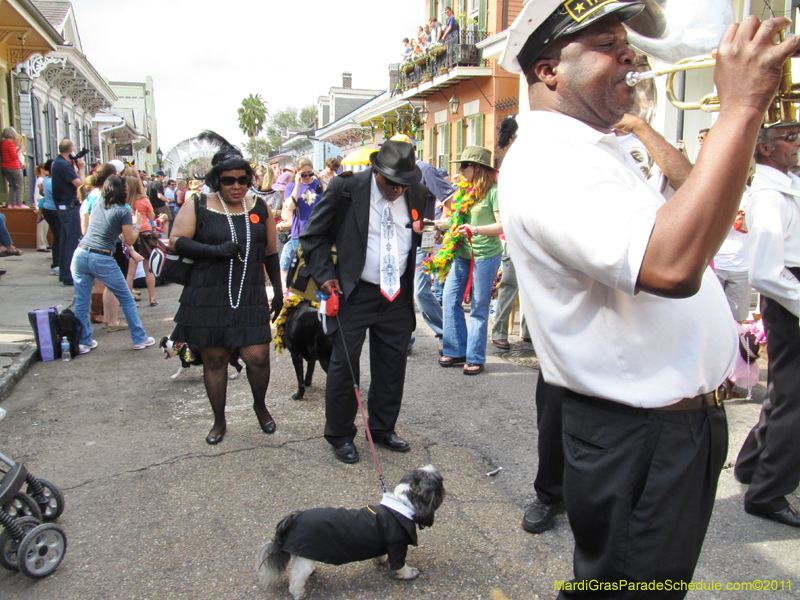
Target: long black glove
274,273
189,248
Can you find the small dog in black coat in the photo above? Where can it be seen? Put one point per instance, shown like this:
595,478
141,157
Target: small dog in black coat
189,356
305,340
338,536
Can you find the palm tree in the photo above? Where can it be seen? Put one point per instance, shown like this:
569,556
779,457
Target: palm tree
252,117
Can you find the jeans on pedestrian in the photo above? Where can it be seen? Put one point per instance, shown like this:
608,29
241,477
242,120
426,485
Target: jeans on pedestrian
428,305
460,338
5,237
13,178
88,266
70,220
289,250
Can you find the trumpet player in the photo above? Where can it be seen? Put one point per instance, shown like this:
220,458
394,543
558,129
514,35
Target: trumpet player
628,318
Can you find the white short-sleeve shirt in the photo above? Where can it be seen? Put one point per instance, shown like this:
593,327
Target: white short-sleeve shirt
578,215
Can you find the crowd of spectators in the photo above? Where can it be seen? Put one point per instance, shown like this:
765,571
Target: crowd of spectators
433,32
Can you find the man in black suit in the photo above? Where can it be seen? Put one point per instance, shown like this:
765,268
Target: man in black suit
358,213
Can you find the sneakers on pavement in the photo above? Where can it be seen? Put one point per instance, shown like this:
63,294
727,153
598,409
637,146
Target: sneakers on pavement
54,271
145,344
85,349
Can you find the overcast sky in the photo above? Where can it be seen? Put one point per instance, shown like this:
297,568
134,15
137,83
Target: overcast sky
205,57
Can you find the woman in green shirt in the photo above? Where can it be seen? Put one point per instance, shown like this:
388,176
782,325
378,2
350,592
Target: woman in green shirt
474,229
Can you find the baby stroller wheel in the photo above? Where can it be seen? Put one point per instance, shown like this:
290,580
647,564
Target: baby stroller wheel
42,550
9,546
22,505
51,502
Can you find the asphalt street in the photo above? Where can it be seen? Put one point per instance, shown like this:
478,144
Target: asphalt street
154,512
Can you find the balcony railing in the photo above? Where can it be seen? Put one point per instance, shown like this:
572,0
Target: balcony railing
459,51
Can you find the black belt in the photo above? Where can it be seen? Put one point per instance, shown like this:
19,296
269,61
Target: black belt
708,400
714,398
95,250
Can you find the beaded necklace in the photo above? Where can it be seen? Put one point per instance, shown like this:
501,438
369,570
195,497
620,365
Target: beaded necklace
235,241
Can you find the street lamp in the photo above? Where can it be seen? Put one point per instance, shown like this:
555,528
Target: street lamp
159,156
453,102
423,114
24,81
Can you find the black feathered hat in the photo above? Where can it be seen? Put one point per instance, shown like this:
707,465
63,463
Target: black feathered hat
227,158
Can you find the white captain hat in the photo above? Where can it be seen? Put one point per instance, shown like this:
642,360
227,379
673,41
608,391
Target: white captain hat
543,21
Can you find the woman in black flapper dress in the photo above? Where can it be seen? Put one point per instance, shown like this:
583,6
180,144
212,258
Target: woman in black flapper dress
231,236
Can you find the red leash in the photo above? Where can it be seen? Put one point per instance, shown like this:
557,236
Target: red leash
468,289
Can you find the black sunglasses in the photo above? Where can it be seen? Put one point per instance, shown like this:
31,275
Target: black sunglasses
394,184
229,181
307,174
465,165
789,137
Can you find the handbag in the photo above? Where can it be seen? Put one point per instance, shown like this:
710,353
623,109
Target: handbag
169,266
298,278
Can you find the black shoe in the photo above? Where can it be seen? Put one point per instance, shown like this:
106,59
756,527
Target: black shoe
269,427
347,453
539,516
215,439
787,516
392,441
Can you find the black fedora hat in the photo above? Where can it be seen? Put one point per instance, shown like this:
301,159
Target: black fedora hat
396,162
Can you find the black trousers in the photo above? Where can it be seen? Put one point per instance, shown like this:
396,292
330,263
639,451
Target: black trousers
70,235
51,216
639,487
390,325
770,456
550,472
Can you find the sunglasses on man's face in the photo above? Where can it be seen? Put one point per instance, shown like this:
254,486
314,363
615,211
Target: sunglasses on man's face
229,181
789,137
394,184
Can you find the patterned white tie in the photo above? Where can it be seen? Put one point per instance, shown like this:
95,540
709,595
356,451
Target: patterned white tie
390,278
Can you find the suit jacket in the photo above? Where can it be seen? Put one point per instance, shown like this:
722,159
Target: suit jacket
342,535
351,240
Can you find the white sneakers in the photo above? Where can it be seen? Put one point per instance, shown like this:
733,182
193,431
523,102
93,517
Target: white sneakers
82,349
145,344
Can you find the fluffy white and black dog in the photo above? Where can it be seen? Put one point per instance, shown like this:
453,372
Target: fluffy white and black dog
340,535
188,356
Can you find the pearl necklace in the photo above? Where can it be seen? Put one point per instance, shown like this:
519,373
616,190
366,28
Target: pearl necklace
235,241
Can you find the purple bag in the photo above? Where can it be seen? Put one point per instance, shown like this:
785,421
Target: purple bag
45,328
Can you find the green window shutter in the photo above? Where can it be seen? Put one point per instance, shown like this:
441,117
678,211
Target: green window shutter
432,145
432,9
479,129
446,155
420,150
482,15
459,138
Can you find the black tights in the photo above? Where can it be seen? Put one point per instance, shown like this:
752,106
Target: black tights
215,376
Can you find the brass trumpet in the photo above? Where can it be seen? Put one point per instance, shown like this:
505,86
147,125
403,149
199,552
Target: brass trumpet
675,31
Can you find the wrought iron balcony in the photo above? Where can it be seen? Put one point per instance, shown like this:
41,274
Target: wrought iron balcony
457,51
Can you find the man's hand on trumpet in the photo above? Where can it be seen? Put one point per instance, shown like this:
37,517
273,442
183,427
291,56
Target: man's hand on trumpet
750,63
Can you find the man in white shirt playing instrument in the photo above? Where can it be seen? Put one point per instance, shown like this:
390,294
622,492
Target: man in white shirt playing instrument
768,460
625,313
